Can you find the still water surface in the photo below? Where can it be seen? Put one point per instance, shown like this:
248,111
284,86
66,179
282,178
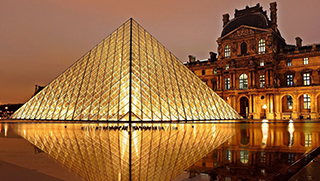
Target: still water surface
259,150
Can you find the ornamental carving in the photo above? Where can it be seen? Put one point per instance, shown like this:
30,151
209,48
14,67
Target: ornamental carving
242,32
234,47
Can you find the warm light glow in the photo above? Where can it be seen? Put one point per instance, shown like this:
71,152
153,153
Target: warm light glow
159,86
291,131
264,106
104,148
265,129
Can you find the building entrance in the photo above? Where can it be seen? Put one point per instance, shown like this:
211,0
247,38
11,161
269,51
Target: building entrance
244,107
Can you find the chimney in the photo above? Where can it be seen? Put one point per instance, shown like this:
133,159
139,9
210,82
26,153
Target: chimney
225,19
298,42
213,56
192,58
273,16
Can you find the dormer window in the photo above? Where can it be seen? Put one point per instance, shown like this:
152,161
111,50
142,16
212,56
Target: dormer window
262,46
289,63
305,61
203,72
227,51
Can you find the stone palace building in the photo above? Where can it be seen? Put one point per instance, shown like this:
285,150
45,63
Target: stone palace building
257,73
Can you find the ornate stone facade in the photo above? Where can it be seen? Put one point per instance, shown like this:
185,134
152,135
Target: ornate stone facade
255,68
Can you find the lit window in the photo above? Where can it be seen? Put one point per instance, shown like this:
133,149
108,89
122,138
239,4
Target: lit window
227,66
289,101
243,81
290,157
306,79
305,61
227,51
244,156
228,155
289,63
261,63
263,157
227,83
289,80
262,46
307,139
262,80
306,101
203,72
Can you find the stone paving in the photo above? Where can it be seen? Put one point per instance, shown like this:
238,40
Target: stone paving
309,172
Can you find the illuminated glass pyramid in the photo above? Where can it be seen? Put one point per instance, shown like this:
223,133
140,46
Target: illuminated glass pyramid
129,76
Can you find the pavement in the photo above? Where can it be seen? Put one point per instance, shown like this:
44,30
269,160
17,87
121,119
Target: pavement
309,172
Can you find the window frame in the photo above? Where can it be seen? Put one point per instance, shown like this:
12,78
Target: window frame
306,101
262,80
227,51
306,79
262,46
290,80
227,83
243,82
305,61
261,63
289,62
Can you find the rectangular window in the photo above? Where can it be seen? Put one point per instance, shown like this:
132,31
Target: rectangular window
307,139
305,61
289,63
262,80
289,80
244,156
306,101
306,79
263,157
261,63
228,155
227,66
227,83
290,157
203,72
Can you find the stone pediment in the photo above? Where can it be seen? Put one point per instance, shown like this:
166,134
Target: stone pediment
243,31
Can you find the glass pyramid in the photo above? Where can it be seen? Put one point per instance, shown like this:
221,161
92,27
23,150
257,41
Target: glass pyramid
102,151
128,76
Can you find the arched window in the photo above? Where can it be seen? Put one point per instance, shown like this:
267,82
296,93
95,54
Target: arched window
243,48
262,46
243,81
227,51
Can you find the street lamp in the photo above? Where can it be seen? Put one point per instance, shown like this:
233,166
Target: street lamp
290,107
264,107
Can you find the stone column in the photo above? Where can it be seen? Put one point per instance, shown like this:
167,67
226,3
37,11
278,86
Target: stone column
267,78
253,79
249,79
295,112
313,107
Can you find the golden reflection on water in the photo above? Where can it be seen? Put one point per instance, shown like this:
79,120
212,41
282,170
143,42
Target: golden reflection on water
100,151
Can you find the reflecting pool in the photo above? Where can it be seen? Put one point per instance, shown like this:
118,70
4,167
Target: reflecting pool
227,151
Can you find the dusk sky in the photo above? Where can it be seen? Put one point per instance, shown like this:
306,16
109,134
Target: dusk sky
39,39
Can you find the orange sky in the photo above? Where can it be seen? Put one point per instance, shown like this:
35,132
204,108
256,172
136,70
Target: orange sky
41,38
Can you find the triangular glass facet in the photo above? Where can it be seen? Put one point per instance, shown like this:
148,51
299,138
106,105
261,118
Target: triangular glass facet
129,71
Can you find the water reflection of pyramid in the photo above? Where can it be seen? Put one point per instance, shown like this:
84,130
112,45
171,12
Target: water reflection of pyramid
102,151
127,76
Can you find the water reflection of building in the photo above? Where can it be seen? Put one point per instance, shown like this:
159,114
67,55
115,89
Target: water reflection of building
258,152
256,67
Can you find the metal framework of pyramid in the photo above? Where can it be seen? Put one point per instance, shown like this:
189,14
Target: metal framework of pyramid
129,76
